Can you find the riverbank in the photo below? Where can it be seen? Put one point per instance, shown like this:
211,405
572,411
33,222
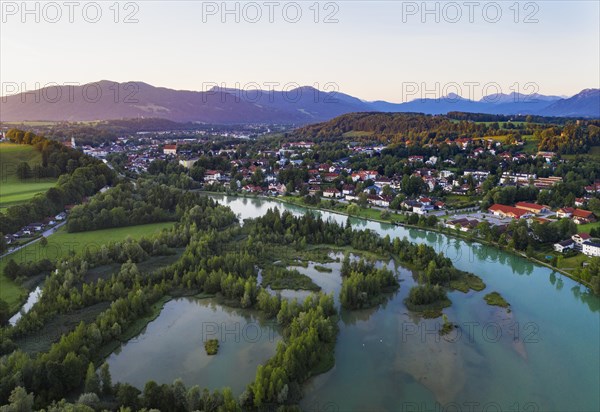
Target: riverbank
401,222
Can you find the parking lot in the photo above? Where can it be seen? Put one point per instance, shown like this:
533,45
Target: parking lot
481,216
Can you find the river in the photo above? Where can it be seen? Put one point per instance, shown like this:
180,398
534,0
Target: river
543,355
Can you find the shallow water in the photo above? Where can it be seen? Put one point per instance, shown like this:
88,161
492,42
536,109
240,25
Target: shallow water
172,347
32,298
542,356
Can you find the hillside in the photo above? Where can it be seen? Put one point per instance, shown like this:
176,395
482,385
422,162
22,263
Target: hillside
13,190
585,104
421,129
107,100
391,127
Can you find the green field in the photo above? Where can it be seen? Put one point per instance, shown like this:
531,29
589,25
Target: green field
573,262
13,190
587,227
60,245
531,144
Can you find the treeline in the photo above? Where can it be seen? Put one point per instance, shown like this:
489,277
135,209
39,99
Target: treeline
432,268
363,284
17,272
484,117
208,265
136,203
81,176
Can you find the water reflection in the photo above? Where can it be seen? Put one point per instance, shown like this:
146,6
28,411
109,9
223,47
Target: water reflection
583,294
172,347
389,359
33,297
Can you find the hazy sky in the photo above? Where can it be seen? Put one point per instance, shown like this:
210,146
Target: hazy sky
388,50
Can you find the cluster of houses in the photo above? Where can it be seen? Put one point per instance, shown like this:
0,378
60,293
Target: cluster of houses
34,228
581,242
525,210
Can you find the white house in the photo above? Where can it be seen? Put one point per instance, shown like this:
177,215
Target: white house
591,249
212,176
580,239
564,245
170,149
423,209
331,192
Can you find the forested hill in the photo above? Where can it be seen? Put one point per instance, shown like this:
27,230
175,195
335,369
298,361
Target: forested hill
422,129
379,126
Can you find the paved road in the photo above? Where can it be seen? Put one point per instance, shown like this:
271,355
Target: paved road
44,234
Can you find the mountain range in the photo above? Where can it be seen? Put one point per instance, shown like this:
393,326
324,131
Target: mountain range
107,100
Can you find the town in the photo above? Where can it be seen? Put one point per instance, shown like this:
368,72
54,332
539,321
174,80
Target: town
435,186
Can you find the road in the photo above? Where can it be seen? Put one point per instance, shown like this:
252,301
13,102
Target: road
44,234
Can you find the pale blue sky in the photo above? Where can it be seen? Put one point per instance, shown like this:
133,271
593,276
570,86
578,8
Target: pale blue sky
374,51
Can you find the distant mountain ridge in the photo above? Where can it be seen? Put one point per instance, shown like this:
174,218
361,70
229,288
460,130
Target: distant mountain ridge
106,100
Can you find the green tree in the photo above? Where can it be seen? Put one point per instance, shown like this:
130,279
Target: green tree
89,399
106,379
387,191
92,382
353,209
128,395
4,312
20,401
594,205
363,200
3,243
